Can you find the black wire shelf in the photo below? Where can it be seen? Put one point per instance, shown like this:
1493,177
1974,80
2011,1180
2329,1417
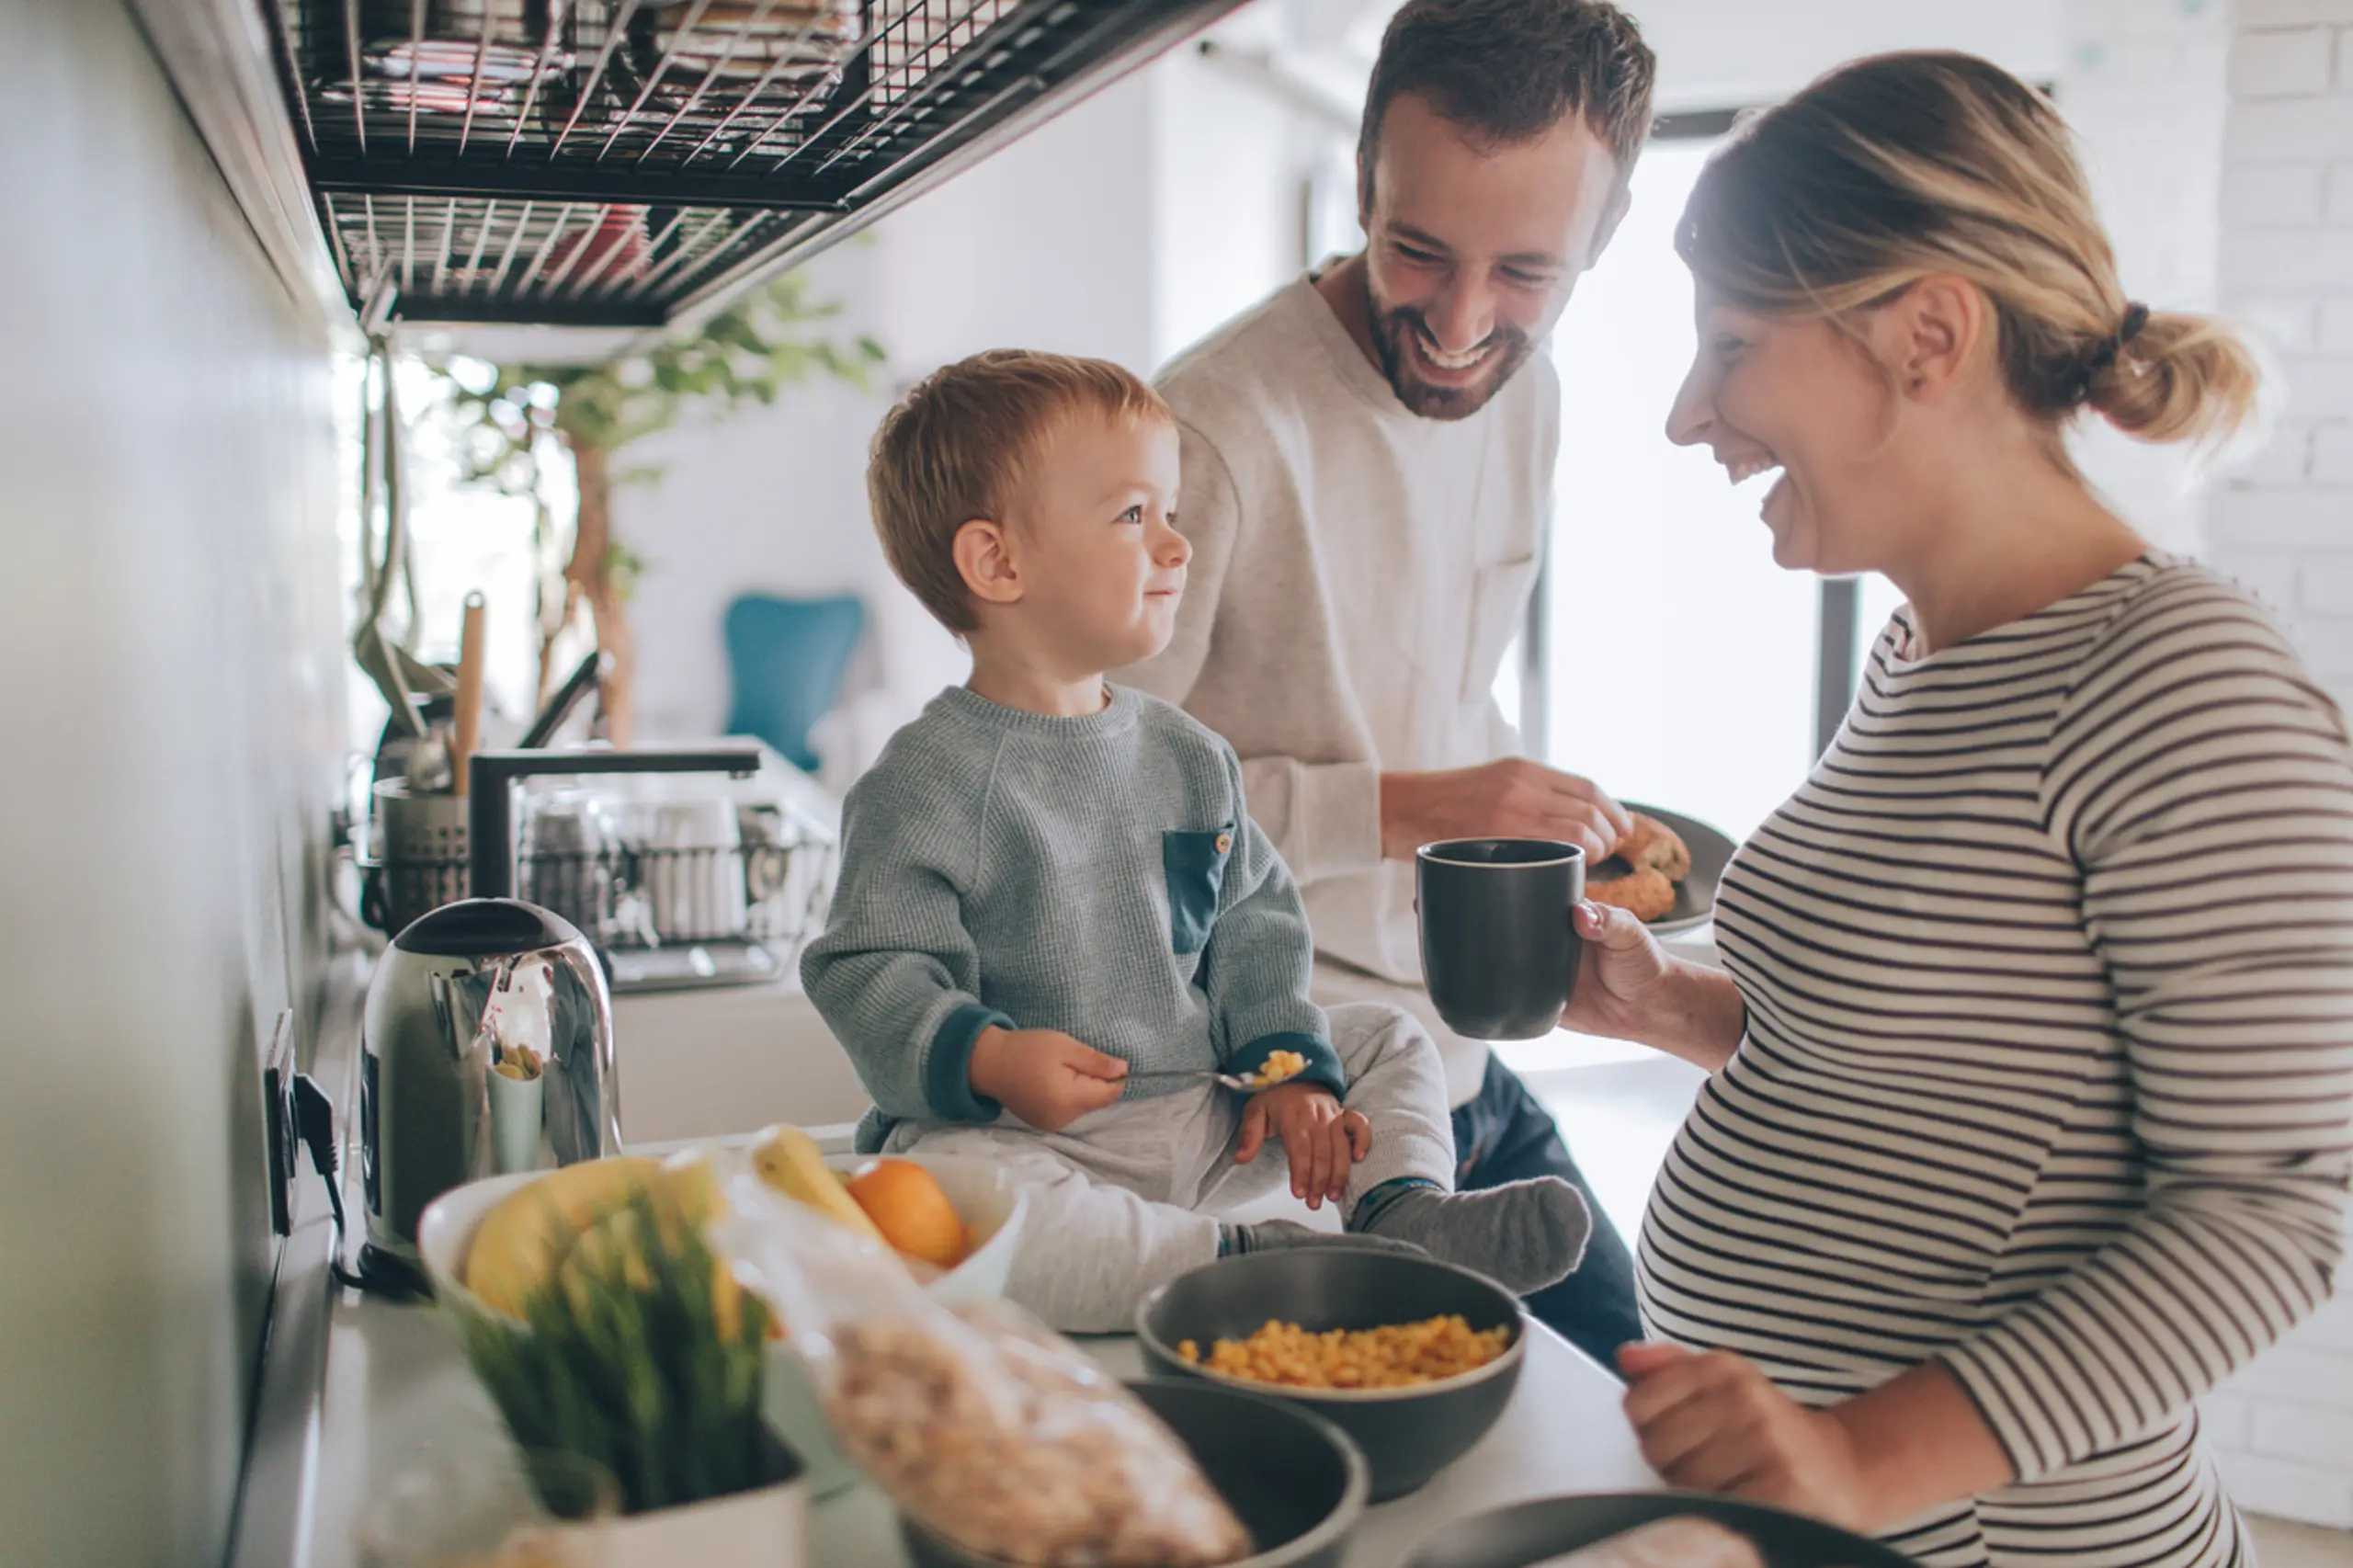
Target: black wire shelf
624,162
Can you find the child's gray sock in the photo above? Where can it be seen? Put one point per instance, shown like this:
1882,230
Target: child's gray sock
1524,1234
1283,1236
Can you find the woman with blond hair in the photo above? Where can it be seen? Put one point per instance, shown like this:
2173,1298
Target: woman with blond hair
2031,1064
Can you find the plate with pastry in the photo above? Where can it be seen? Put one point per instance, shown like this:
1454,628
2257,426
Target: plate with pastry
1664,872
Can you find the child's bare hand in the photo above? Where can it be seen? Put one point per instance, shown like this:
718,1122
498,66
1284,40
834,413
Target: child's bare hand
1044,1077
1323,1141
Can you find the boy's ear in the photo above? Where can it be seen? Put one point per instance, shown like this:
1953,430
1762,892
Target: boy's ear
985,560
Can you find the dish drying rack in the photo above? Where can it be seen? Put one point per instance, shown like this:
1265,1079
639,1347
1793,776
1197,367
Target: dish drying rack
628,162
663,915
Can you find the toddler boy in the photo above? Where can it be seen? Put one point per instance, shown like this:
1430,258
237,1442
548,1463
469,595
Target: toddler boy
1054,914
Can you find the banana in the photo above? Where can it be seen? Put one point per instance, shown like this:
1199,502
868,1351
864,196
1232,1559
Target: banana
517,1241
788,1160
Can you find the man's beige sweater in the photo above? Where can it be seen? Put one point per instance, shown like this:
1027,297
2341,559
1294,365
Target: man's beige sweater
1358,571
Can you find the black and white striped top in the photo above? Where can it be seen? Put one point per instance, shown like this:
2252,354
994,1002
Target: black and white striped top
2049,1067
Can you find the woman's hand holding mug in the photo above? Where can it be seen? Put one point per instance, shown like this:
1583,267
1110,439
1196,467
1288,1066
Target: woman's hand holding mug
1629,987
1620,977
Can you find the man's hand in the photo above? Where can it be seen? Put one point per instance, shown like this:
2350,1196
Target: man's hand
1509,798
1044,1077
1323,1141
1715,1423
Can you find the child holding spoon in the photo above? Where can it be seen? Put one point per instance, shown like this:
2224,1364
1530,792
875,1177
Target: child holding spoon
1051,892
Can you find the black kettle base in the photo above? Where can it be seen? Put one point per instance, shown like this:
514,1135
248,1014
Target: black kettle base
390,1276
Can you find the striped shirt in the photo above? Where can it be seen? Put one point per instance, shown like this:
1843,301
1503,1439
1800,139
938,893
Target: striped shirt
2049,1063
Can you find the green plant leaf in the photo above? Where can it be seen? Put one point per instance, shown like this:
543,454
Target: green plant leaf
622,1357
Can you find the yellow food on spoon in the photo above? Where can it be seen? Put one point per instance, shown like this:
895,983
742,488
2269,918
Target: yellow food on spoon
788,1160
1280,1067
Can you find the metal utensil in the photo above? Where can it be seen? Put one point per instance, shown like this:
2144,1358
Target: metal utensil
579,684
1234,1081
466,727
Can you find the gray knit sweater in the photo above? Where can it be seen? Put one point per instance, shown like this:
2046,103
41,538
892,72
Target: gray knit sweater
1097,875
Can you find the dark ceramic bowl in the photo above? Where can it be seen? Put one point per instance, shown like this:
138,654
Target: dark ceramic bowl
1408,1435
1294,1480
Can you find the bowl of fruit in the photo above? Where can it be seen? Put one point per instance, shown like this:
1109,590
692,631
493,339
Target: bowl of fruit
956,1224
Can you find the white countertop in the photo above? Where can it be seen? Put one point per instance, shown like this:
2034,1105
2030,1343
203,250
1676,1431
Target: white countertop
398,1393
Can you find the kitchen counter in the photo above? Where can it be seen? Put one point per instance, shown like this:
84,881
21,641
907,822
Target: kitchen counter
354,1390
729,1059
398,1393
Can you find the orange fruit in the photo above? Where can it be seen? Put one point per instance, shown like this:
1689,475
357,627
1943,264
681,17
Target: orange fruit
907,1206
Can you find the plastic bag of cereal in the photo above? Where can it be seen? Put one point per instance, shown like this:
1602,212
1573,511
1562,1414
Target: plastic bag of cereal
989,1429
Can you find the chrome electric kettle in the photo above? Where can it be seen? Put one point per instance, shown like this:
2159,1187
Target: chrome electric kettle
472,983
458,989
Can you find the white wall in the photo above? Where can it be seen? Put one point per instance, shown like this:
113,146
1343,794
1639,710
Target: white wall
1734,53
2285,525
1228,169
173,740
1049,245
762,500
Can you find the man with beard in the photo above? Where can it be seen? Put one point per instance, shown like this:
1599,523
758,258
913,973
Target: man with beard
1367,484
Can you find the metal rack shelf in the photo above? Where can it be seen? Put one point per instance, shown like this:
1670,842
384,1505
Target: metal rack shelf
631,161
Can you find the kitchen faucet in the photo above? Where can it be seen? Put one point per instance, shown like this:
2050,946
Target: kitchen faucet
490,829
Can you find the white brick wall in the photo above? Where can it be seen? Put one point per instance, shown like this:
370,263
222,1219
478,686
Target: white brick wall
2284,1426
2145,85
2255,14
2283,62
2282,520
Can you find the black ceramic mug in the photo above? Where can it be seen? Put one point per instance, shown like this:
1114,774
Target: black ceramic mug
1500,946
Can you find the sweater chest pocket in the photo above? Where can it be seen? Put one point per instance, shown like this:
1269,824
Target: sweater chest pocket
1498,611
1195,862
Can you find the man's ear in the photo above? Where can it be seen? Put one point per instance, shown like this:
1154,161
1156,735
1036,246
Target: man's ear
1622,201
984,559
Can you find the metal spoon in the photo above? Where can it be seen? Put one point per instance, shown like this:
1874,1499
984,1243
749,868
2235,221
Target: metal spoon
1234,1081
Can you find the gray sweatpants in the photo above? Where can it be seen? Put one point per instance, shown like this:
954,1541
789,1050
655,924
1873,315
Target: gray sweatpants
1126,1198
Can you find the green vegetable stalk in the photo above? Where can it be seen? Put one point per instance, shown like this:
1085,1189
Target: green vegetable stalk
629,1356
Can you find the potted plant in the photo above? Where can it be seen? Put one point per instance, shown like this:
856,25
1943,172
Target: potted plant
638,1350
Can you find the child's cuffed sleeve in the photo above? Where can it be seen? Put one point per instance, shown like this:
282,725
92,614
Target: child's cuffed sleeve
1261,959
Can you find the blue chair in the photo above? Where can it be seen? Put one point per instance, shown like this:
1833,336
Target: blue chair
786,659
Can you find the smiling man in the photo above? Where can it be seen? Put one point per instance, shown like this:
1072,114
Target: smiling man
1367,465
